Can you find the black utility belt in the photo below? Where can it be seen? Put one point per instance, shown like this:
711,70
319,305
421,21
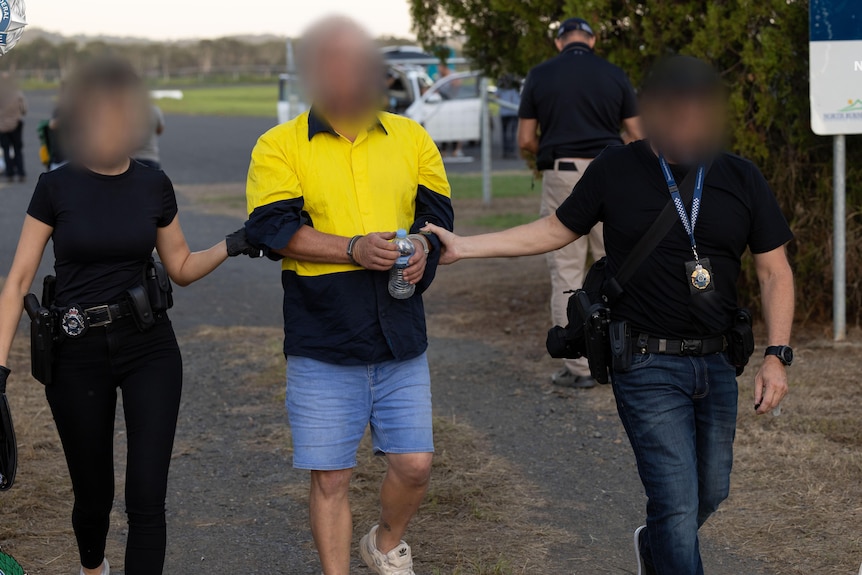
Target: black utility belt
644,344
74,321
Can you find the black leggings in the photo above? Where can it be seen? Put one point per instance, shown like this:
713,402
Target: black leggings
148,369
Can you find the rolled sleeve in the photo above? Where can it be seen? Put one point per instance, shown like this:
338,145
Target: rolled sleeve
273,194
433,205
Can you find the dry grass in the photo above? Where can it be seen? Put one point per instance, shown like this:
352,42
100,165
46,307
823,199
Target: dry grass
796,500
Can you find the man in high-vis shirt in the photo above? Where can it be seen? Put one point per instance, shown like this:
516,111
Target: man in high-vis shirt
326,191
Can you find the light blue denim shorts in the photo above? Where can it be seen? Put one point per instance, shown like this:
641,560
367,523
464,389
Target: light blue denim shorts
329,406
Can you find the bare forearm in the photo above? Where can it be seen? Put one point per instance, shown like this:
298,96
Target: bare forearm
310,245
11,308
539,237
200,264
778,305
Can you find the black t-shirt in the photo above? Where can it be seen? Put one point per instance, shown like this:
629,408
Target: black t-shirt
625,188
104,228
579,100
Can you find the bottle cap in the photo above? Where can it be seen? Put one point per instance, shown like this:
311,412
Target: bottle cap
401,234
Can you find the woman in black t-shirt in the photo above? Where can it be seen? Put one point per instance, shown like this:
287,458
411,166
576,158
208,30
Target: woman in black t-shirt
106,214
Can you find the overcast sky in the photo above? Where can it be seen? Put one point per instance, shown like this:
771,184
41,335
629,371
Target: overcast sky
172,19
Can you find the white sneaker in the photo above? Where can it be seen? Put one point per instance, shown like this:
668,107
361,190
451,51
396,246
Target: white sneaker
399,561
106,569
642,568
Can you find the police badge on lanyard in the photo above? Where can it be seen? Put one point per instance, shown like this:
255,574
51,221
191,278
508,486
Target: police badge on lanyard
698,271
74,322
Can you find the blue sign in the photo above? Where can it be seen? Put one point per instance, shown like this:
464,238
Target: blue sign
835,61
835,20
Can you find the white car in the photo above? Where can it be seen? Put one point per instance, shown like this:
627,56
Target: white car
450,108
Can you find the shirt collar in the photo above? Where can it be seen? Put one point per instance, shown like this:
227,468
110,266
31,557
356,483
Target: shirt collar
576,47
317,125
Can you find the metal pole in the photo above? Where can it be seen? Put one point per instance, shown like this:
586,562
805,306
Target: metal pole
486,144
839,287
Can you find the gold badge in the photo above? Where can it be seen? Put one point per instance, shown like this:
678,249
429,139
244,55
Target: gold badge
700,277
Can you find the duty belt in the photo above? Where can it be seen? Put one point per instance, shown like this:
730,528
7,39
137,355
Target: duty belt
102,315
74,320
648,344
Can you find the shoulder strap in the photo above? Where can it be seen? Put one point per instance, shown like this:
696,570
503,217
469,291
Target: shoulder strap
653,236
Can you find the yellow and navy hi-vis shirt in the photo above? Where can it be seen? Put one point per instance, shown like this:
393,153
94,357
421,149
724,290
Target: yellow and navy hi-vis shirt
304,173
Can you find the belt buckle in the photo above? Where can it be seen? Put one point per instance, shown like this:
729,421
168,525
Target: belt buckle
691,346
94,313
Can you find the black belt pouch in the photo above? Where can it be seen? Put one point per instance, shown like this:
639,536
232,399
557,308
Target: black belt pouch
142,313
158,286
621,346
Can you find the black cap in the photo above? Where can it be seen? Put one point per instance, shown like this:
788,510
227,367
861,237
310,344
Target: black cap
683,75
573,24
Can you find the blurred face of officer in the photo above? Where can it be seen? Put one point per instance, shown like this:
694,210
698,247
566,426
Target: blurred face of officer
341,69
684,111
112,126
686,128
104,114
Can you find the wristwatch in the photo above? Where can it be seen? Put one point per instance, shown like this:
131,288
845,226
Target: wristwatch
784,353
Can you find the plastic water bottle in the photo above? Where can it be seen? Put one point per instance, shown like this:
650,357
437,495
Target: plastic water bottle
399,288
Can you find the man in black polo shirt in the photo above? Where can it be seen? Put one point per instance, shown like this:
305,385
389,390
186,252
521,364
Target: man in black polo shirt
678,399
572,108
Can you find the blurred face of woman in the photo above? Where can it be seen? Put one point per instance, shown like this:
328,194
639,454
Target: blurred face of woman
111,126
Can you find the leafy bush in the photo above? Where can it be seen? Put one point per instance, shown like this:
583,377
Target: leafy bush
762,50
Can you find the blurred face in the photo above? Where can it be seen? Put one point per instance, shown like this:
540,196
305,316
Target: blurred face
111,125
685,128
343,74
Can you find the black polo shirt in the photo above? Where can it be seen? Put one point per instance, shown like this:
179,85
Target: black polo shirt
625,188
579,100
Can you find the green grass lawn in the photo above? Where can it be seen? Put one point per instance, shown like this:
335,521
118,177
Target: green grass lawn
503,185
258,100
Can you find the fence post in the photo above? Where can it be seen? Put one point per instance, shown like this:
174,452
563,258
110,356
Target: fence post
839,241
486,143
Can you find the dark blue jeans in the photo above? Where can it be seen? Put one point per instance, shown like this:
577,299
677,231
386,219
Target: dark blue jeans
680,416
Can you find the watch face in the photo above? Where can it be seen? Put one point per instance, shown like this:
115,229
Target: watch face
787,355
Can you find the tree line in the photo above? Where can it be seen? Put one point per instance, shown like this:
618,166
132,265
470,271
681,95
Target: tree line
49,59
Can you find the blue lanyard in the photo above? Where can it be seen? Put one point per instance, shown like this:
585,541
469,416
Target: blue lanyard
687,222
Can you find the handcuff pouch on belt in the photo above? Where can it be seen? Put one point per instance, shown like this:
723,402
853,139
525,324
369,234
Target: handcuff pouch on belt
153,297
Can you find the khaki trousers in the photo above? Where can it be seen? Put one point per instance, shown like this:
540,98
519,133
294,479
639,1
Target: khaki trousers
568,265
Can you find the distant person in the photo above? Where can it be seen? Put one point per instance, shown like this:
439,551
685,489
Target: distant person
105,215
508,92
56,155
13,108
148,154
572,107
326,191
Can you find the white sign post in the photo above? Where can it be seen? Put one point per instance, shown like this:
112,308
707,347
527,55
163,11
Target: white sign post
836,110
